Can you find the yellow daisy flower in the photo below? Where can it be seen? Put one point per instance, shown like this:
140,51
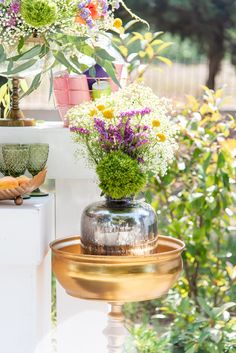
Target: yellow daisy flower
161,137
93,112
101,107
156,123
108,113
117,23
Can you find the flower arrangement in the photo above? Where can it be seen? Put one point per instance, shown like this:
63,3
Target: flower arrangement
126,136
24,18
62,32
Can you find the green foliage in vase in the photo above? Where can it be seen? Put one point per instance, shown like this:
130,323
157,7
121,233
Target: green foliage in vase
196,203
120,175
38,13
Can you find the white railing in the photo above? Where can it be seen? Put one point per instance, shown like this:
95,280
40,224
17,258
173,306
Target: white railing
173,82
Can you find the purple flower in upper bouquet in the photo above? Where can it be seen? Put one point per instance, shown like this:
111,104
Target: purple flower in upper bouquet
117,4
104,7
15,7
11,22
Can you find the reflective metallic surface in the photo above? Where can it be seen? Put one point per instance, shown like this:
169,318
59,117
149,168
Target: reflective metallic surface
119,227
117,278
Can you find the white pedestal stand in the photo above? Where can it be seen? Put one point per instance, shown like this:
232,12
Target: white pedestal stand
25,273
115,332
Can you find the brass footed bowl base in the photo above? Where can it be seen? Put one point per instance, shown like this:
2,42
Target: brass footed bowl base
117,278
17,122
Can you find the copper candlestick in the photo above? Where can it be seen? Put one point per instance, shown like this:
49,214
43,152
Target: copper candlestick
15,116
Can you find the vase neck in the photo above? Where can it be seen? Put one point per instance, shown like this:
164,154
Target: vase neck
117,203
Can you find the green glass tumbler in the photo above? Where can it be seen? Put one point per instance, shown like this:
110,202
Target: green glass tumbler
15,161
3,168
15,157
38,156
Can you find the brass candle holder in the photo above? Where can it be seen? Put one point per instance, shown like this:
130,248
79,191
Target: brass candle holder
15,116
117,279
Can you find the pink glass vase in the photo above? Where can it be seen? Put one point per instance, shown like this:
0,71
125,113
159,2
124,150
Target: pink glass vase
69,91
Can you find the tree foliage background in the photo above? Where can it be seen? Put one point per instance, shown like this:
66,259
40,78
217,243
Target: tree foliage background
210,24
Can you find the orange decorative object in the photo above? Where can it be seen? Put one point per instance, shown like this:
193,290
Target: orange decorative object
21,187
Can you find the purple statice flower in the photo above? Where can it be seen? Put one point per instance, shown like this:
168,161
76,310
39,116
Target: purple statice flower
15,7
122,137
99,125
141,143
134,112
140,160
80,130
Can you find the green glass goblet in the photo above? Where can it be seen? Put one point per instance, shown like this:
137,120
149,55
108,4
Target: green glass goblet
3,168
15,157
38,156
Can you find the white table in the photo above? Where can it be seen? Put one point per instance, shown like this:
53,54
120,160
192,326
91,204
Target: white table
76,187
25,276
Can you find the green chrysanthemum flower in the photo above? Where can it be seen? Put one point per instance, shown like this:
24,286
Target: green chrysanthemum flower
38,13
120,175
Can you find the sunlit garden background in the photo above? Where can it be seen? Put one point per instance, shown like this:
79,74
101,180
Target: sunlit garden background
189,56
195,201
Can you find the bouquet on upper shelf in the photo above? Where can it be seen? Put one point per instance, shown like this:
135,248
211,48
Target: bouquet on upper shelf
21,19
127,136
65,31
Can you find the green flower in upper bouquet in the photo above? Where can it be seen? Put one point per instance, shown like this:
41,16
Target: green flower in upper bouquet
38,13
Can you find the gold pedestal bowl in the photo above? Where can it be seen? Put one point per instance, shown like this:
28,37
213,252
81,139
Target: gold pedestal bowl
117,279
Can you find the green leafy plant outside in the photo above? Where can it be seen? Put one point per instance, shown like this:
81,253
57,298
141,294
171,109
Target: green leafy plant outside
195,202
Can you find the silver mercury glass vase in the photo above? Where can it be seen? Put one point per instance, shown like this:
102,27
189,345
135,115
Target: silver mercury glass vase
119,227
